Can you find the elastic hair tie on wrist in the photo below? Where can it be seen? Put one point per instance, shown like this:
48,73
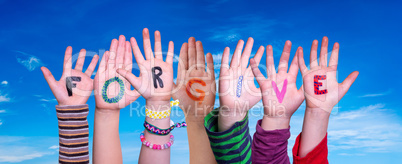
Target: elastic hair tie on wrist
162,132
160,114
156,146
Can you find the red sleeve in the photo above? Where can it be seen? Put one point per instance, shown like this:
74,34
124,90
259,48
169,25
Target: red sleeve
318,155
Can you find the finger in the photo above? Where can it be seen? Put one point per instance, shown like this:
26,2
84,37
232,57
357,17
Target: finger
210,65
80,61
92,65
67,59
200,56
131,78
257,57
345,85
49,77
147,44
333,61
225,60
192,61
245,57
128,57
136,50
183,63
121,49
170,53
103,65
313,54
236,55
256,71
294,67
302,65
324,51
112,54
283,62
158,45
270,63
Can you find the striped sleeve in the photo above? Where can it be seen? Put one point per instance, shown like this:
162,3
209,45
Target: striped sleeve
73,134
232,145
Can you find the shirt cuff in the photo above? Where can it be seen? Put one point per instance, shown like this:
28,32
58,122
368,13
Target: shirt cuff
319,155
270,146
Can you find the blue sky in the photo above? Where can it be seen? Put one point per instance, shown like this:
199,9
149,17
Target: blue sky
365,127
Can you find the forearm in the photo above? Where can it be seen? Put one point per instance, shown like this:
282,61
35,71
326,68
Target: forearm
73,134
200,149
315,127
106,144
151,155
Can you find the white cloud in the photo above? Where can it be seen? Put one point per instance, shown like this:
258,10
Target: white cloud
4,98
4,82
47,100
3,111
1,123
54,147
29,61
376,94
21,149
20,158
371,128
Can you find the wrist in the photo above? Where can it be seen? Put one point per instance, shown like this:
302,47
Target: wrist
156,105
317,113
274,123
228,117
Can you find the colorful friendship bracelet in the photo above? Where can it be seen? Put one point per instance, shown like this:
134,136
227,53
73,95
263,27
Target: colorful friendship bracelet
160,114
162,132
156,146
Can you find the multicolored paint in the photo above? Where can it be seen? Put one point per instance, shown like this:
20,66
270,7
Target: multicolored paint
318,84
188,88
105,87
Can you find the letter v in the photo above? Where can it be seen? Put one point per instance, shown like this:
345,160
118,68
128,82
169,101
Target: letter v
280,95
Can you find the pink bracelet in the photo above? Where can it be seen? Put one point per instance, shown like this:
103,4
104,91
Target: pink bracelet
155,146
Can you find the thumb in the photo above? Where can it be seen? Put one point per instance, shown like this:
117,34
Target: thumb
345,85
49,77
134,81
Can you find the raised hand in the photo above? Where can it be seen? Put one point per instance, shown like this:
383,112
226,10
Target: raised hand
322,92
280,96
74,86
237,91
111,90
321,87
195,87
155,82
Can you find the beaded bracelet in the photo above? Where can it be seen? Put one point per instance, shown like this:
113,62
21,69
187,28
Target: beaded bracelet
156,146
162,132
160,114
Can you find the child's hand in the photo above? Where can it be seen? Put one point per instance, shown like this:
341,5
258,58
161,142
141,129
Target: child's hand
155,82
195,87
237,91
280,96
111,90
74,86
321,88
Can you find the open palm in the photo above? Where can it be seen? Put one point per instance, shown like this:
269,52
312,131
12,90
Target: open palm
74,86
111,90
332,91
232,94
195,87
156,76
275,103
